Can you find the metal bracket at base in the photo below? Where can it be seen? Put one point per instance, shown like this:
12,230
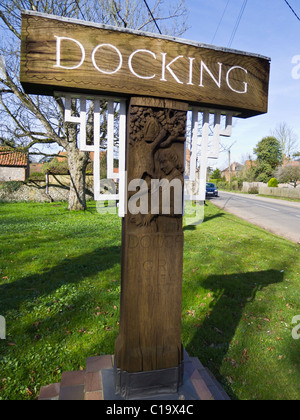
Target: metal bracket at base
147,384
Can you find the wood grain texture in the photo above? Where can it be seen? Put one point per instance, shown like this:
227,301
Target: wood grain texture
122,63
152,247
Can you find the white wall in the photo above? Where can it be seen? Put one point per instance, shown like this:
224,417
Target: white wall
12,174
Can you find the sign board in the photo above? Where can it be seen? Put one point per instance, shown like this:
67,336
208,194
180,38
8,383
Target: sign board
60,53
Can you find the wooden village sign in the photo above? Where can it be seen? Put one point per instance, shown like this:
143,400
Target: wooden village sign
156,80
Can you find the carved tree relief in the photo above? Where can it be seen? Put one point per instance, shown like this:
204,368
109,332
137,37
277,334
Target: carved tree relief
156,137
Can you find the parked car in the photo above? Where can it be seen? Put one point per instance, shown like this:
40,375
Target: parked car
211,190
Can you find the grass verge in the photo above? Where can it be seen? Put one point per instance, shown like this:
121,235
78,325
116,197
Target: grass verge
60,290
295,200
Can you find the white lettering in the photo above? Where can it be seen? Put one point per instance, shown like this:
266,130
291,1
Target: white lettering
296,69
217,82
140,197
113,48
168,67
296,330
2,328
130,64
191,71
165,186
58,52
133,411
228,82
205,71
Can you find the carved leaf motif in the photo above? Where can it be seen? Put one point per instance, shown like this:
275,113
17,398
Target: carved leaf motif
152,130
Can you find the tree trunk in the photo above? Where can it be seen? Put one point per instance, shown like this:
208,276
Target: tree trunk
77,166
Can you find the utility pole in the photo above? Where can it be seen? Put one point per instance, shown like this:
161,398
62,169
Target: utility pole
229,160
228,149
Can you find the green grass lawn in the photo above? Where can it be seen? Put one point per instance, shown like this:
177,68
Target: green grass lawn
60,289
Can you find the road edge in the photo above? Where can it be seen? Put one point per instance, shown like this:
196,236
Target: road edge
268,200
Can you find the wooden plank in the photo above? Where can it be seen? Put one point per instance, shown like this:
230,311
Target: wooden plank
159,103
152,244
59,54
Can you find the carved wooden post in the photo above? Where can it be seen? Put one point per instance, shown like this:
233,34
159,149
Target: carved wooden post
150,324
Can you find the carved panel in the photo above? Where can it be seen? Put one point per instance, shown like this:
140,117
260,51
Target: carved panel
155,155
152,259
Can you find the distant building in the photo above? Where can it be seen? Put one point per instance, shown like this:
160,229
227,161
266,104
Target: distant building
289,162
14,165
36,167
62,156
235,169
250,164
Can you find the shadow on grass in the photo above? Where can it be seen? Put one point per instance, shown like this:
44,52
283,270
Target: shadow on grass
231,294
206,219
49,324
70,270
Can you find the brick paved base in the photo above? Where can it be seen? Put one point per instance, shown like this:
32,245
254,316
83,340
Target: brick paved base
88,385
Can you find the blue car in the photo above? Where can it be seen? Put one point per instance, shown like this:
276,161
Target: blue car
211,190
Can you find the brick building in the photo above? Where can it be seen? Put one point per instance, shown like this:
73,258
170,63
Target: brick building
14,165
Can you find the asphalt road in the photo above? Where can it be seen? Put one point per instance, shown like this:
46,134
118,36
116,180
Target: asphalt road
277,216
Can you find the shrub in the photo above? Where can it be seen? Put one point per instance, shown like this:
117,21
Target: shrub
215,181
36,176
253,190
56,167
223,185
273,183
235,185
11,186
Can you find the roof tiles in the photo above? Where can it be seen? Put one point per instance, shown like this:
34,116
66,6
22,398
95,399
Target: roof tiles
12,158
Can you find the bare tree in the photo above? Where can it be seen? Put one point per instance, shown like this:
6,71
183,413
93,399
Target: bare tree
171,16
36,123
287,139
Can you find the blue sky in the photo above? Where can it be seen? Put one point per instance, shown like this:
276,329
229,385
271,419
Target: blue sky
269,28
